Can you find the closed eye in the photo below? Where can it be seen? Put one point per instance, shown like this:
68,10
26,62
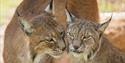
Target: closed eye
48,40
51,40
70,34
43,41
86,37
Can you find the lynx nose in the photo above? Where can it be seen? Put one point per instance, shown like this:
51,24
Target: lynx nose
76,47
76,44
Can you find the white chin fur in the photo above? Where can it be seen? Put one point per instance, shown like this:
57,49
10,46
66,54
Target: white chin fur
56,54
84,56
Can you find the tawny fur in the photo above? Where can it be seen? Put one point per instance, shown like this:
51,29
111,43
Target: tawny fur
84,36
40,46
35,8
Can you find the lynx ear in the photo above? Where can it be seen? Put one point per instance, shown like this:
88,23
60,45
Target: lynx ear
26,26
69,16
49,7
103,26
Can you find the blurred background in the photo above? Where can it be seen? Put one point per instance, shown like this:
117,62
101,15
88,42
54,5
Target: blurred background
106,7
7,8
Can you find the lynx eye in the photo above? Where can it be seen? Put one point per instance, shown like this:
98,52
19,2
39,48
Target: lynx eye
52,40
86,37
48,39
62,34
70,34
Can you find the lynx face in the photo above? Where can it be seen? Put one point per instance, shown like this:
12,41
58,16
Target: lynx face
45,35
84,37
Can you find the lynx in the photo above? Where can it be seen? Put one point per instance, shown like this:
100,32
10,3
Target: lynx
45,37
38,40
87,44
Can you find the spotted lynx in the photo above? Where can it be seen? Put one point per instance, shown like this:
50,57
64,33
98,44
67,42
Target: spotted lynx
88,45
38,40
46,37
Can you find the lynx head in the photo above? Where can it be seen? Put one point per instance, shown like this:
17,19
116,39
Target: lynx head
84,37
46,36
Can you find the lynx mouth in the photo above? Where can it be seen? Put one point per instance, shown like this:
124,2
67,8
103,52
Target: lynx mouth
75,54
86,54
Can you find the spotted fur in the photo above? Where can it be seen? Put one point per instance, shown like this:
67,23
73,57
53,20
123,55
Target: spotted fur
87,43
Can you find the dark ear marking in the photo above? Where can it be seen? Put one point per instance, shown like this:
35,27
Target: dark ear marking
69,16
49,7
25,26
